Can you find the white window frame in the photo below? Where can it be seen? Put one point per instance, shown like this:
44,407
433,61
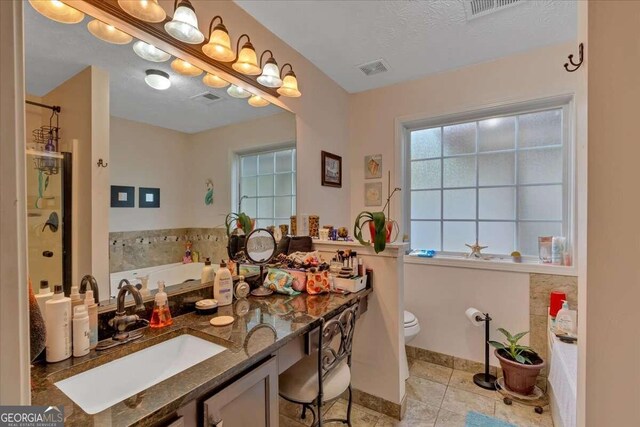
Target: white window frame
266,150
564,102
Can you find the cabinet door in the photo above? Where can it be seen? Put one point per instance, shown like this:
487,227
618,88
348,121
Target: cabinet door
252,400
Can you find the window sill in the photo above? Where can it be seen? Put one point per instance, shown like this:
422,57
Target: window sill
495,264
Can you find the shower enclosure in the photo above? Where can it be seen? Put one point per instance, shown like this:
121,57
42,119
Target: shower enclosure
48,203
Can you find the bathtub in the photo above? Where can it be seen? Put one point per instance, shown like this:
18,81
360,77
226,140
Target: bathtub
171,274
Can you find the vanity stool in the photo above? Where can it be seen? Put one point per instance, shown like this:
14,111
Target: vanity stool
325,374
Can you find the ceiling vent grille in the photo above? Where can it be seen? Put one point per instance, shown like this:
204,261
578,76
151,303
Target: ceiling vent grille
206,98
478,8
374,67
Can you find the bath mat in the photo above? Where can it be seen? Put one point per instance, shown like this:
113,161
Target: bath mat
475,419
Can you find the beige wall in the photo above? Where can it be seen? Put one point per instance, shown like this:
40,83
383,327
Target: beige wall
143,155
212,156
613,341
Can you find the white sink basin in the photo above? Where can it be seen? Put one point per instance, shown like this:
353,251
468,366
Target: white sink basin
100,388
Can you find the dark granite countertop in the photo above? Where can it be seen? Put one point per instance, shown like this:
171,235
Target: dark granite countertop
289,317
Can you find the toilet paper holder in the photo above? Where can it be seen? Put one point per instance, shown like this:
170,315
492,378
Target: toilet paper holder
484,380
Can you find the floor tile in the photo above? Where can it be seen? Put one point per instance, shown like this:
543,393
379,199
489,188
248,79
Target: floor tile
426,391
464,381
450,419
288,422
460,401
360,416
418,414
294,410
430,371
522,415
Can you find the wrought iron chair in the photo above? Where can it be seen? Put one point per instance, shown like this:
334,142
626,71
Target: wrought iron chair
324,375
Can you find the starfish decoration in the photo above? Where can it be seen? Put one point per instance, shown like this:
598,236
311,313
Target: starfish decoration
475,250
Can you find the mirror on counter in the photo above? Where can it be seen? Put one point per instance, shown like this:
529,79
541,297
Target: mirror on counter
143,161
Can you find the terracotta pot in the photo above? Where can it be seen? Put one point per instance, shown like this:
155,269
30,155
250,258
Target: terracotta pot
519,378
391,226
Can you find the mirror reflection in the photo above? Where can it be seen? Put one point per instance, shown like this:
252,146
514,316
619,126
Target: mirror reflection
145,159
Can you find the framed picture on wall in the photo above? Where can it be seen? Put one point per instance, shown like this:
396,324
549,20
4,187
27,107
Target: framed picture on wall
373,194
373,166
148,197
122,196
331,170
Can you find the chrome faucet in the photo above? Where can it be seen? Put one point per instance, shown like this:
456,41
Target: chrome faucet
93,283
122,321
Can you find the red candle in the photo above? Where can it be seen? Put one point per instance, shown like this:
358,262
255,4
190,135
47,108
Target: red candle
555,302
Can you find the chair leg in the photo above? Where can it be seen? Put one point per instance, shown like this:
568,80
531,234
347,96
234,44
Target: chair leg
319,411
304,412
349,406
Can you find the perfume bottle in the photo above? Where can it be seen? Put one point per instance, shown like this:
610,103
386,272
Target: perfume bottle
161,315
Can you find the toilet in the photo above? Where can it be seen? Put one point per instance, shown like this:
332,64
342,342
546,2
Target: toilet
411,329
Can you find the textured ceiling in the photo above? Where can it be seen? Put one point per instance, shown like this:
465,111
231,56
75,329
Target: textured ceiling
55,52
416,38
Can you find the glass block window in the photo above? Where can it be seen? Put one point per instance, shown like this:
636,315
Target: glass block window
500,180
267,186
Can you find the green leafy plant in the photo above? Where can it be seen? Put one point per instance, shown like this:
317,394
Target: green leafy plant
379,222
241,220
519,353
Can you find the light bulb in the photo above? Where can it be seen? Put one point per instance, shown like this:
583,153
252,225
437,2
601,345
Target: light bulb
186,69
57,11
150,52
108,33
238,92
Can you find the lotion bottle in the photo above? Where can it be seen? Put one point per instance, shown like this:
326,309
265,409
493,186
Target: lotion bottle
92,310
223,285
207,272
81,331
44,294
58,324
76,298
566,320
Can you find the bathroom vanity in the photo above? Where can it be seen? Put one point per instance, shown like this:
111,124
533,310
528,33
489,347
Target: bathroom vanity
236,385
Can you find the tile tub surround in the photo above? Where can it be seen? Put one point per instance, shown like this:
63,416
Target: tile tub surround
147,248
439,396
288,315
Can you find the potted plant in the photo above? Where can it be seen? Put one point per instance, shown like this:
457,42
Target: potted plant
380,228
520,364
242,221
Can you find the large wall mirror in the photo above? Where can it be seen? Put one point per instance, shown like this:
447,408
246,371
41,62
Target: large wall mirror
149,160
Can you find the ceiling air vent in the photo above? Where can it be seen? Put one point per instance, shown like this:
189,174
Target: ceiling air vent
205,98
478,8
374,67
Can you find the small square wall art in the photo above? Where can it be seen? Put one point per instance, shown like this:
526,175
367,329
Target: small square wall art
149,197
373,194
373,166
122,196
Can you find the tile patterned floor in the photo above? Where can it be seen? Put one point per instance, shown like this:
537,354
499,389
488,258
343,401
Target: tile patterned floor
437,396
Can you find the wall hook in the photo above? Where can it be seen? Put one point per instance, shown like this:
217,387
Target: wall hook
102,164
576,65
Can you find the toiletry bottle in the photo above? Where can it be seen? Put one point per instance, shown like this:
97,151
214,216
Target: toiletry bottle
92,310
81,331
566,320
558,245
360,267
223,285
76,298
161,315
354,262
58,324
207,272
144,282
44,294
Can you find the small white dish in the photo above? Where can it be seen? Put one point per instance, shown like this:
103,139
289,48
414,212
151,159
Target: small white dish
221,321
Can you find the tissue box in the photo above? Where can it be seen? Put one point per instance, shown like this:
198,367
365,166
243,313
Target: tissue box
351,285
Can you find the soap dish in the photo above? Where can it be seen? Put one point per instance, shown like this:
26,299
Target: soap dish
207,306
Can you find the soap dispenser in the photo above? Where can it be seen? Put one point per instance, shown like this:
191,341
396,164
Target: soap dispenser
566,320
161,315
208,274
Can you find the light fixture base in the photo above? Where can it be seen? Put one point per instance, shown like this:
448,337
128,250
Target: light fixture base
486,381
